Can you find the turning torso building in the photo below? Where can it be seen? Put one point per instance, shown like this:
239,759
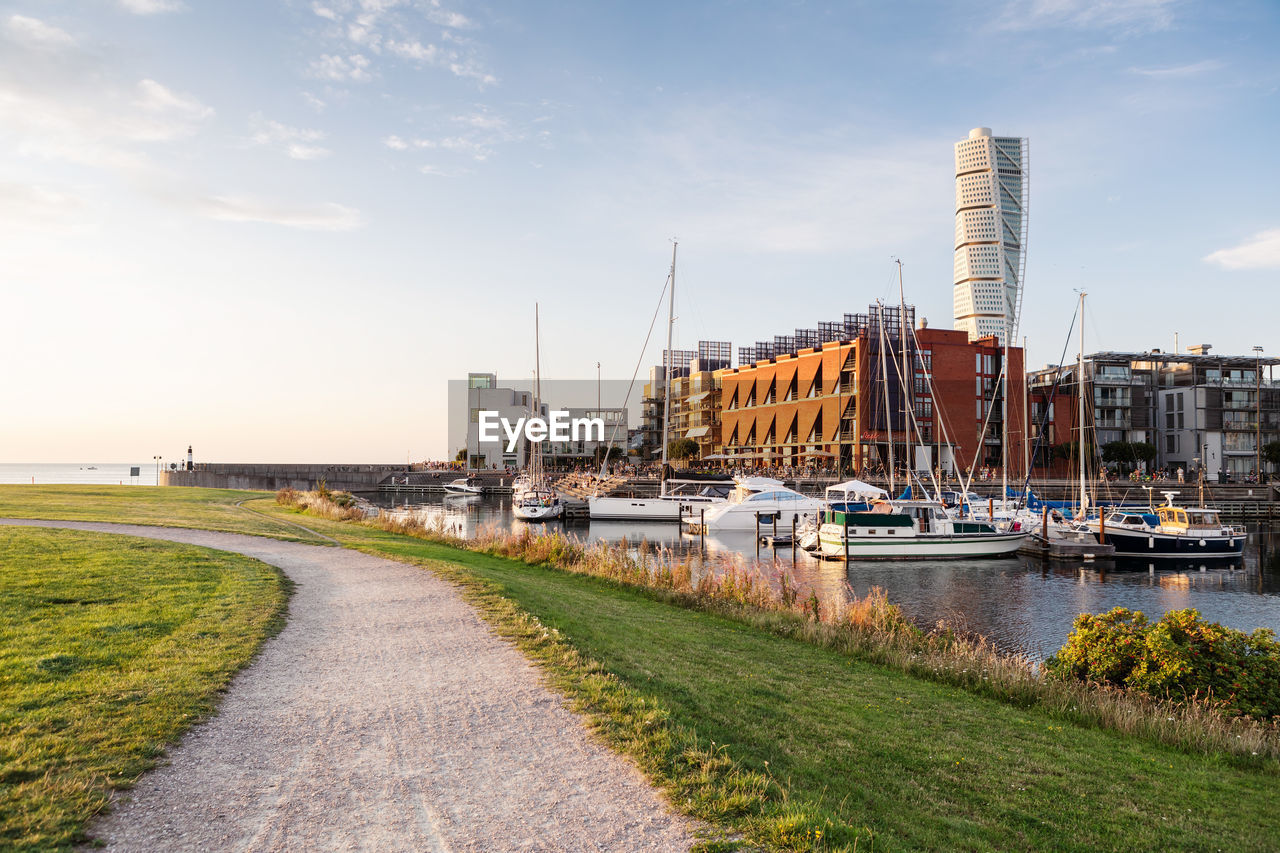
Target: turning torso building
991,233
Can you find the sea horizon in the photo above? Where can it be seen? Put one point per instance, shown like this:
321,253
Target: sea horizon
78,473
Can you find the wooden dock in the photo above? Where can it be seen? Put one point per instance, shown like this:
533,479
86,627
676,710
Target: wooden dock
1065,549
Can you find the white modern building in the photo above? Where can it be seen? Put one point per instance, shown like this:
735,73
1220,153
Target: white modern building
512,404
991,233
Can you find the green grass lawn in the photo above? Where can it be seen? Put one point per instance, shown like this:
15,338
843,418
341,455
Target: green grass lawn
208,509
110,648
798,746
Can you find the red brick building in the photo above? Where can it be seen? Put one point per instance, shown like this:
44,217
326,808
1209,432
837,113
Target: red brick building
842,402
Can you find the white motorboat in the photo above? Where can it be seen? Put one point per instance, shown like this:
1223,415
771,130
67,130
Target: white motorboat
910,530
754,503
464,486
682,494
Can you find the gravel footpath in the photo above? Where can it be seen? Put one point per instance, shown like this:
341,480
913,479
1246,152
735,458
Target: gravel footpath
385,716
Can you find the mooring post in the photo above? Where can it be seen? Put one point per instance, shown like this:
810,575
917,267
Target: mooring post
1044,523
845,518
794,544
1102,527
702,527
757,533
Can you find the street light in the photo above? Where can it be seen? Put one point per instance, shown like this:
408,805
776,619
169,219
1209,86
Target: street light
1257,438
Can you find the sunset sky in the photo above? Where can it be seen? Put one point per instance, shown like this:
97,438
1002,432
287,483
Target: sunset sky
276,229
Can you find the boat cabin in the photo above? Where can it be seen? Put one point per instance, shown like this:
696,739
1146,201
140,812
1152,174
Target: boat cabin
1177,518
1121,518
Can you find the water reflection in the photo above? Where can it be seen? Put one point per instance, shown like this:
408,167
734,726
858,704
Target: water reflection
1023,604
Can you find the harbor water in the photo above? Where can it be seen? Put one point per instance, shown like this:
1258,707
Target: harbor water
1023,604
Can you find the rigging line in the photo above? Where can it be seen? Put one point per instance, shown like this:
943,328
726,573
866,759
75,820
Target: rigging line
909,393
605,464
1053,393
938,414
982,436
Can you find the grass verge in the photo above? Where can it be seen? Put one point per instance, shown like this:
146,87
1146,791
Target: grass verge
207,509
110,648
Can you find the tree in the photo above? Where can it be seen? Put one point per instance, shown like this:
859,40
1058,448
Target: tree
1143,451
1271,452
462,456
682,448
1127,454
1117,452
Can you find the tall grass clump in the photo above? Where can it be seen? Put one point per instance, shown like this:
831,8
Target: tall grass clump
869,628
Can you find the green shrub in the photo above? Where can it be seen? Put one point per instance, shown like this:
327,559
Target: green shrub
1181,656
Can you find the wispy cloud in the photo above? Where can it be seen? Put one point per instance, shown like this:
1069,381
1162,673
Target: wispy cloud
1126,16
158,99
425,34
1260,253
476,135
341,69
1190,70
23,203
297,142
35,32
319,217
150,7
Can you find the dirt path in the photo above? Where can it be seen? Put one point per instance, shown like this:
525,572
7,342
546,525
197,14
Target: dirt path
385,716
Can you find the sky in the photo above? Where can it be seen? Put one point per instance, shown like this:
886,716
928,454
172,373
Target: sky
275,229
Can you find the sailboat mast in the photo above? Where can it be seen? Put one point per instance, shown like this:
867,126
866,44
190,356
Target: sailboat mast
1084,497
537,394
666,373
1004,417
1026,416
888,413
908,383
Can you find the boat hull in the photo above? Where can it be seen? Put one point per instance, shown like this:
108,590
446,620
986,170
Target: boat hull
634,509
1173,545
930,546
538,513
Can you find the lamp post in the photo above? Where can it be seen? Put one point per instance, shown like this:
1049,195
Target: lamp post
1257,438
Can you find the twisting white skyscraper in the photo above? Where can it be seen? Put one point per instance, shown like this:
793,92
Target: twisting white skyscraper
991,233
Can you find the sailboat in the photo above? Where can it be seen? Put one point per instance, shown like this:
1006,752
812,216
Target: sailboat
538,502
908,529
673,494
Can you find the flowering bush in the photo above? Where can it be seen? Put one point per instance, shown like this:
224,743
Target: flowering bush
1181,655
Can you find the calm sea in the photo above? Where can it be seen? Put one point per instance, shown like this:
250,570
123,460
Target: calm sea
97,473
